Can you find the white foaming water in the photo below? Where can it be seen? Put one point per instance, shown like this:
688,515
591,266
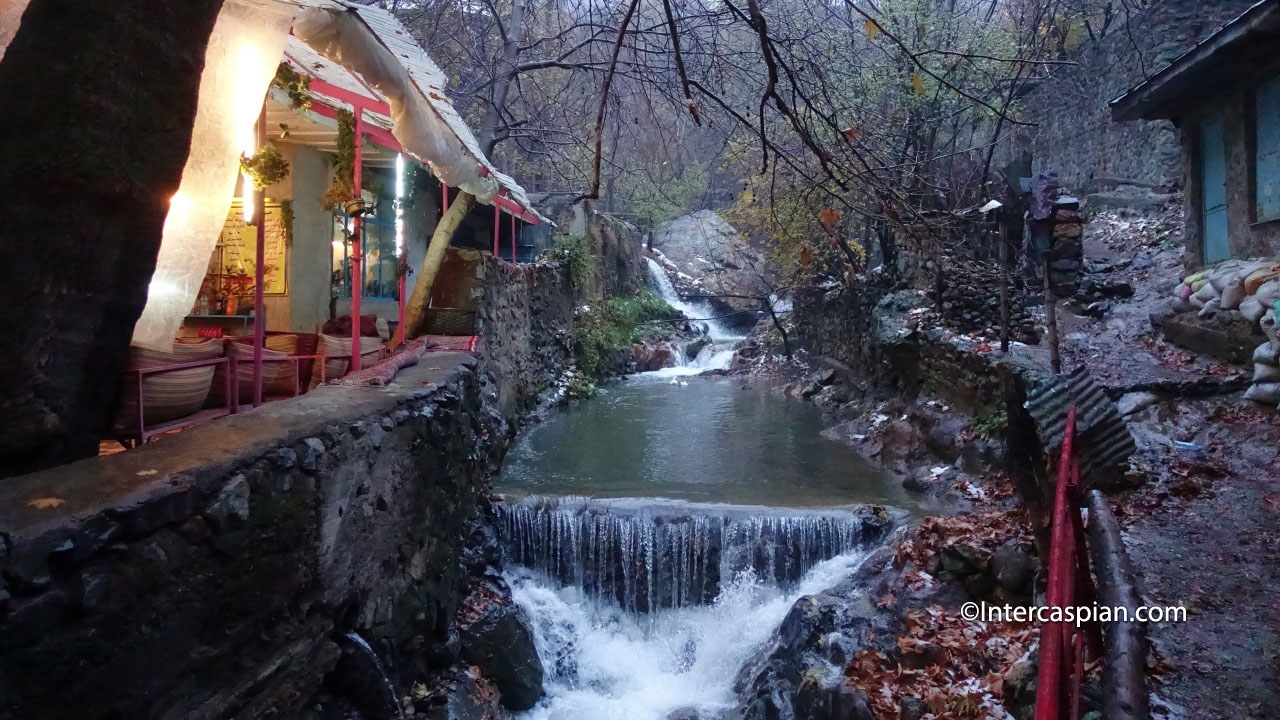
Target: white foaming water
712,357
603,663
700,310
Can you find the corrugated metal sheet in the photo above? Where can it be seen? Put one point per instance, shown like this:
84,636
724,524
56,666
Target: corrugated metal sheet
1104,439
431,81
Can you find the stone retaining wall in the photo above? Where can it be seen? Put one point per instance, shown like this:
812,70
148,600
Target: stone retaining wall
208,574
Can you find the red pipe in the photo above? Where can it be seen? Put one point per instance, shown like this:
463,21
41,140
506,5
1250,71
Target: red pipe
1052,634
444,199
357,271
260,260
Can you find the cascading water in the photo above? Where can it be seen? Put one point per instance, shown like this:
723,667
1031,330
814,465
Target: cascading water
603,662
699,310
643,607
650,554
716,355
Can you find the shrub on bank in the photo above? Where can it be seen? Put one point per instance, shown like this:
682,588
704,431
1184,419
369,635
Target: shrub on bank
608,326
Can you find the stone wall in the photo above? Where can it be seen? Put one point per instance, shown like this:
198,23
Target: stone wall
1074,133
525,319
208,574
873,331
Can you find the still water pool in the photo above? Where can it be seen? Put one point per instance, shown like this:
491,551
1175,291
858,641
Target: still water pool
710,440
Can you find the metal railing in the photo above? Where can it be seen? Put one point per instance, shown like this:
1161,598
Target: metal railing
1064,645
144,433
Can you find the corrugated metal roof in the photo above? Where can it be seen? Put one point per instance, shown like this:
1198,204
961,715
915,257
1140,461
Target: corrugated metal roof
431,82
1104,443
303,59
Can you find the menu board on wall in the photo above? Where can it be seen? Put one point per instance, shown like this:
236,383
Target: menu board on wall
239,243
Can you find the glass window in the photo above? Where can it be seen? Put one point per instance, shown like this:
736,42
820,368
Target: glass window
378,253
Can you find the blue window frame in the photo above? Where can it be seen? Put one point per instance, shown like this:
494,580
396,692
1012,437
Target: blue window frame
1266,161
378,254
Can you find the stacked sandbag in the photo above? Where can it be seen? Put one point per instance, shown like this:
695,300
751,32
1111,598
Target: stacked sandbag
1266,361
1245,285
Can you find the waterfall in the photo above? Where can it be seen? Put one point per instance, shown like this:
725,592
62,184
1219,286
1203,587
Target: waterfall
699,310
645,555
602,662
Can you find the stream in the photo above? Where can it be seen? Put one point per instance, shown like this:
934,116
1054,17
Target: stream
657,534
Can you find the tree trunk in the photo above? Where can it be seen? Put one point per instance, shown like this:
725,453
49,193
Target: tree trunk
415,311
92,154
506,73
1124,688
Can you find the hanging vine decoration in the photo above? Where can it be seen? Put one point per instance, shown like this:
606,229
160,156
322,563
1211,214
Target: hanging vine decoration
341,188
286,222
298,87
266,168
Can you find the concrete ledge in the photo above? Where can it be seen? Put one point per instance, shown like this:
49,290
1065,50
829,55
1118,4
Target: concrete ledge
1227,337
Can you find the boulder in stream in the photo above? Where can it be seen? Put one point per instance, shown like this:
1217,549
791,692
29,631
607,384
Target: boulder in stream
496,638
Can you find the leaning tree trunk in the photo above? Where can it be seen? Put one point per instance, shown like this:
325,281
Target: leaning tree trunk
94,142
415,311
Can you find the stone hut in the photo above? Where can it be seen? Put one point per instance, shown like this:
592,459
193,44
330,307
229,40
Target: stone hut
1224,96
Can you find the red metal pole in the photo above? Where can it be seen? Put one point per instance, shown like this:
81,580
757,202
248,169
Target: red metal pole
357,270
497,224
260,260
1049,683
513,238
444,199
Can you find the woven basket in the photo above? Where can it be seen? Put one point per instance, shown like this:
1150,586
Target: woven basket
450,321
335,345
169,395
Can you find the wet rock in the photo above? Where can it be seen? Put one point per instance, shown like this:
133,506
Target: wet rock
912,709
944,438
231,508
1013,567
901,440
1135,402
496,638
684,713
466,697
696,346
360,676
962,560
1097,309
922,655
821,697
794,678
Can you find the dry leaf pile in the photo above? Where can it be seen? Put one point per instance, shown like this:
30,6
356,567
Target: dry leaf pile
950,668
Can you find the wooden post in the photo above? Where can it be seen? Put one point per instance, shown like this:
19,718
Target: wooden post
1051,319
260,260
1003,253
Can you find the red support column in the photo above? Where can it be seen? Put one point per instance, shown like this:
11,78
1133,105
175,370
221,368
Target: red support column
444,199
513,238
497,225
260,260
357,265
